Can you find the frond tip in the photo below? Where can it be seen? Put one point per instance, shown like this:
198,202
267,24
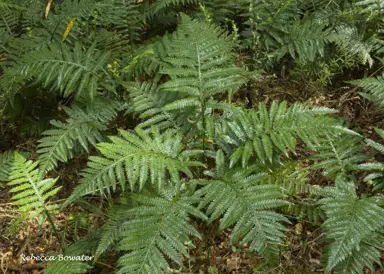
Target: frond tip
32,192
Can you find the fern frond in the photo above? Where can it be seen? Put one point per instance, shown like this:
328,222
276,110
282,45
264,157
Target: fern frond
269,20
352,226
373,89
353,42
237,197
32,193
159,227
112,229
339,155
9,20
162,5
66,70
82,126
76,265
268,133
200,64
147,101
6,162
138,157
289,175
124,17
377,167
305,40
371,6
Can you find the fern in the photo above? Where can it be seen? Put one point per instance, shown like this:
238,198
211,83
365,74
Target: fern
352,226
147,100
32,193
158,227
371,6
199,62
83,247
82,127
269,20
353,42
289,175
112,229
138,157
266,134
237,197
6,162
306,40
377,167
339,155
373,89
124,17
64,69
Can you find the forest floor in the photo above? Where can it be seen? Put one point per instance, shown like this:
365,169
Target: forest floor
301,252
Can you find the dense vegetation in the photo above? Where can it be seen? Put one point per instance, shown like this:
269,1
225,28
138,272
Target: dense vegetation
147,133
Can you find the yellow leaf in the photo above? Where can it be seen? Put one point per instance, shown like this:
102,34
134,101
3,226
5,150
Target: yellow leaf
48,8
68,28
298,228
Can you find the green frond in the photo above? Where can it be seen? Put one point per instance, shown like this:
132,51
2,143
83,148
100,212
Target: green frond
269,20
159,228
81,9
373,89
76,265
290,176
8,4
162,5
112,229
82,127
371,6
30,192
377,177
305,39
236,197
267,133
6,162
305,208
137,157
200,64
147,101
352,227
375,145
63,69
124,17
339,155
365,255
352,41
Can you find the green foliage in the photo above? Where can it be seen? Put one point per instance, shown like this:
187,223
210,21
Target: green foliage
64,69
199,62
237,197
353,227
351,40
83,247
82,126
373,89
339,155
31,192
6,163
375,178
159,226
267,133
163,79
138,157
